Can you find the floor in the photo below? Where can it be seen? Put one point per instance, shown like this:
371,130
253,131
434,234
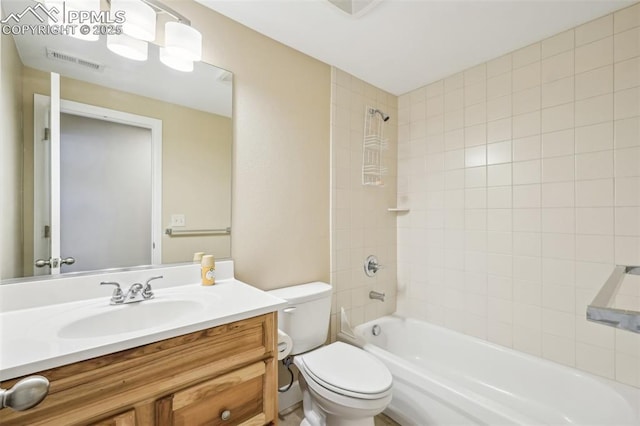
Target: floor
293,417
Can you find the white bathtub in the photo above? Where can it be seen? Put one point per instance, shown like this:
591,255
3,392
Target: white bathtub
442,377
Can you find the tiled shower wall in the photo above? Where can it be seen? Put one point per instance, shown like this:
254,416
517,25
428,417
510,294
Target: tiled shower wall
360,222
523,179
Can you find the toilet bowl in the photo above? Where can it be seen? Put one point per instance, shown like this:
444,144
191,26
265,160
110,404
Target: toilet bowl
342,385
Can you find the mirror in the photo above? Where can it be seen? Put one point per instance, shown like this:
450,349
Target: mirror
194,109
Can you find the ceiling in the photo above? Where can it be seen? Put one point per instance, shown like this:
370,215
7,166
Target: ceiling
400,45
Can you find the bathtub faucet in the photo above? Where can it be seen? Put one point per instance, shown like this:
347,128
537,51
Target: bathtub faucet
376,295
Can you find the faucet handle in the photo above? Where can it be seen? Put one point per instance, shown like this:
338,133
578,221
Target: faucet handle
147,292
117,296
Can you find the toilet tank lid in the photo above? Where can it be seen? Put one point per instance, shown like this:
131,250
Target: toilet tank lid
302,292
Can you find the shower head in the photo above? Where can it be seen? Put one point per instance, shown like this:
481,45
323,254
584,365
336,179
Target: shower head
384,116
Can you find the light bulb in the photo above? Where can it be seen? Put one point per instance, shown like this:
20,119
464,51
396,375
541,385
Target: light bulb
128,47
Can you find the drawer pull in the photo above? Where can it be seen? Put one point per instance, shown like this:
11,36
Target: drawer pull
226,415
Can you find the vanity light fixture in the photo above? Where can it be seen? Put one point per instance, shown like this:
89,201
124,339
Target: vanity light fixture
182,43
140,19
129,47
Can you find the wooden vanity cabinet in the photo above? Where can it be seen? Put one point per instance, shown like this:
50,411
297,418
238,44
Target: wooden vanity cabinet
224,375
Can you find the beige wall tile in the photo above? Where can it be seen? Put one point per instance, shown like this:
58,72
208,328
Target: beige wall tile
627,132
526,77
626,18
595,360
594,193
499,108
475,92
558,143
475,114
558,66
595,82
499,85
499,175
627,44
527,148
499,130
594,165
526,172
595,248
454,120
526,124
559,194
558,92
594,110
526,55
454,100
526,196
475,135
558,118
557,220
558,44
593,138
499,152
627,74
597,221
627,103
627,162
453,82
594,30
627,191
434,89
558,169
476,74
499,66
527,100
594,55
627,221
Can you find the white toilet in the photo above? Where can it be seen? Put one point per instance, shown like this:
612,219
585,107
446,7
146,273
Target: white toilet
342,385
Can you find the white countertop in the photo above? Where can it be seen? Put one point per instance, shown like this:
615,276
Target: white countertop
31,342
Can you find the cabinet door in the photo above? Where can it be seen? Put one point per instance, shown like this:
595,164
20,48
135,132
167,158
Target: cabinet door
231,399
128,418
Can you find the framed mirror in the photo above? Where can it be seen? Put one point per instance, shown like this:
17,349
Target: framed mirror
116,193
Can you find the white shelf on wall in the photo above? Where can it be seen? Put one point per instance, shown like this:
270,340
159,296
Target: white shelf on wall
398,209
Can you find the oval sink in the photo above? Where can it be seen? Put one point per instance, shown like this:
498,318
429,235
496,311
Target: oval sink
129,317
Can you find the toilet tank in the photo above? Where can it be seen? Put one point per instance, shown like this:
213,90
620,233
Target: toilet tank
305,318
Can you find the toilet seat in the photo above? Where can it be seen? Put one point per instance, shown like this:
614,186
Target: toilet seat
347,370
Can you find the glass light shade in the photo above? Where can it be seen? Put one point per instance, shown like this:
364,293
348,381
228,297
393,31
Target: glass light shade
139,18
183,41
175,62
128,47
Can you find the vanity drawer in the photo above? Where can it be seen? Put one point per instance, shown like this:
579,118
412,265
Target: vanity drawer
230,399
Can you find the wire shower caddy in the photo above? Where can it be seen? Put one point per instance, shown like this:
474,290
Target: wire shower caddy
374,143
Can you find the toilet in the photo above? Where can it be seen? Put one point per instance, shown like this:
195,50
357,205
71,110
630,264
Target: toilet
342,385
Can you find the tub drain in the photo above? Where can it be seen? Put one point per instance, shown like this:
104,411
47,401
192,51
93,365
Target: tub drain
376,330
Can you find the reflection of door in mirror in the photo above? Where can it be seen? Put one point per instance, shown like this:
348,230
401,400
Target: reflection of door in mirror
103,203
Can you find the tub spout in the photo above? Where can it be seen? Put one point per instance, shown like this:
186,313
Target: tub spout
376,295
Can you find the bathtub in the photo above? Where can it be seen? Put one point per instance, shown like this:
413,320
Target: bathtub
442,377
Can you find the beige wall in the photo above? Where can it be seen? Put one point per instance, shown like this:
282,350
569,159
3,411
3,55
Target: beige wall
360,222
281,183
10,160
196,151
523,175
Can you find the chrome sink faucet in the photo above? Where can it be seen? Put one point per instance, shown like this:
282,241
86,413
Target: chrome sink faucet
136,293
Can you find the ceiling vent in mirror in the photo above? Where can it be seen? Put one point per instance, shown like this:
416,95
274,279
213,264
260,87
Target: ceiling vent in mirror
225,76
355,8
66,57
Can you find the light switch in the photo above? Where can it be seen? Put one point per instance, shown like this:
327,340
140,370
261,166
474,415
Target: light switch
178,220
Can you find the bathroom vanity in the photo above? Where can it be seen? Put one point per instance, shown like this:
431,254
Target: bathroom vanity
215,364
221,375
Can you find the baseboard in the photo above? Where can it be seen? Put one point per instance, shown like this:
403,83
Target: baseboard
289,398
